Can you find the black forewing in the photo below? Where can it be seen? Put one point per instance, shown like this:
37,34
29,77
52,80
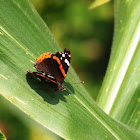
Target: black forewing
64,60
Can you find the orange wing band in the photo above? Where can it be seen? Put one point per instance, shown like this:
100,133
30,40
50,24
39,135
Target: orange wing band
43,56
46,77
60,65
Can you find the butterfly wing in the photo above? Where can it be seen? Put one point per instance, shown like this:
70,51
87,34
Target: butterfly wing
57,65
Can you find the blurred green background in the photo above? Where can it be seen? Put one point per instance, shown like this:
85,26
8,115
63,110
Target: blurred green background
88,34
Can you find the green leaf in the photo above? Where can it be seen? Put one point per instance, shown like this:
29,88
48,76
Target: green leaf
2,137
98,3
120,93
71,114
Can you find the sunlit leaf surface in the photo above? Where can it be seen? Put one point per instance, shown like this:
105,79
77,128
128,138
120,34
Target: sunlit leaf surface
98,3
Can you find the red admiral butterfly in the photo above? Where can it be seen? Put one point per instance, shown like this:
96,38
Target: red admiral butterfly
53,68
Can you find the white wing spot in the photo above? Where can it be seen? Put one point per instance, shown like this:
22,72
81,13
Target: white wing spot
50,76
43,73
63,55
67,62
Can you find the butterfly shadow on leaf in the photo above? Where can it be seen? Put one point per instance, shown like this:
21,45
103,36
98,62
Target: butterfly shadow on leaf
46,92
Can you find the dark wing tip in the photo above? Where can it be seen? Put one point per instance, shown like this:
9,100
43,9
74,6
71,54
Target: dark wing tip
67,50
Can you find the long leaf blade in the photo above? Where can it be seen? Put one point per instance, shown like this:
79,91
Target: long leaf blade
24,36
119,95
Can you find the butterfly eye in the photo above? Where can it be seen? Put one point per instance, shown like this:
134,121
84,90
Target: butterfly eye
35,64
